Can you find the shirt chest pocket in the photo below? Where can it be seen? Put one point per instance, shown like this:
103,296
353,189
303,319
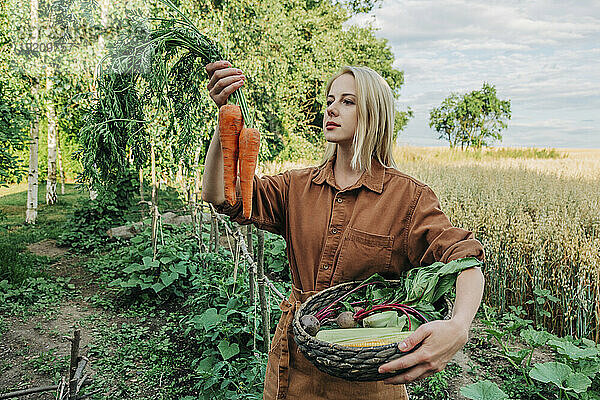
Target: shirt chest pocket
362,254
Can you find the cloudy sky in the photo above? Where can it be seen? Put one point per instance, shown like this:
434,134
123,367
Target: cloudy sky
542,55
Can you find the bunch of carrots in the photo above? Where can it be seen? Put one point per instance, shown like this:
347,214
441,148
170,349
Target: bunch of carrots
238,143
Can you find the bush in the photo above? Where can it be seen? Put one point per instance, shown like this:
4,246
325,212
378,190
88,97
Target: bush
211,345
86,228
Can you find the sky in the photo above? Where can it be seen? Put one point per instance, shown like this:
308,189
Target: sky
544,56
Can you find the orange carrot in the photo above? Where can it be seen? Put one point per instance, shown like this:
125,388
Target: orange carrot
249,146
231,123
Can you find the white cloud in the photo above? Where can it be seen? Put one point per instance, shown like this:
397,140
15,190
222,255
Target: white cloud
542,55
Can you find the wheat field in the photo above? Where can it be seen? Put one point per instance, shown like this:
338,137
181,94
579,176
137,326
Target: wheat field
538,219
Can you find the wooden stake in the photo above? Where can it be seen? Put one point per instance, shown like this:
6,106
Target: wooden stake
154,201
142,201
200,222
217,235
73,389
25,392
211,240
251,267
74,352
264,309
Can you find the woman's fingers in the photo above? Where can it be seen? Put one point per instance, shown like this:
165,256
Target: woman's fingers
221,91
224,80
212,67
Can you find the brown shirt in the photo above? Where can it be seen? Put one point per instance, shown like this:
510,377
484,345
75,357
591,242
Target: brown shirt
386,223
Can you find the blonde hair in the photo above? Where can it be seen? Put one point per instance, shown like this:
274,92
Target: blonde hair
375,128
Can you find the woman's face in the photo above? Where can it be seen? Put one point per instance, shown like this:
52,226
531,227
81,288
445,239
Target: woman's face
341,117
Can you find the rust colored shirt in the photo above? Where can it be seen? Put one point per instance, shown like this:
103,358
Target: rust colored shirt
386,223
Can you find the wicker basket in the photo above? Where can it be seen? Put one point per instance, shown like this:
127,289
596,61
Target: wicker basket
350,363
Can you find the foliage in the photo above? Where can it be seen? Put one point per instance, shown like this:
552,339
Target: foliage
33,294
170,273
275,256
14,110
17,264
209,346
436,386
471,119
575,373
86,228
147,67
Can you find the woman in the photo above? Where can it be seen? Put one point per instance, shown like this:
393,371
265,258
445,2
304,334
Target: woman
350,217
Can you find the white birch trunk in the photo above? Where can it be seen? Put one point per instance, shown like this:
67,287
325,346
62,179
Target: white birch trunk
32,176
61,170
51,196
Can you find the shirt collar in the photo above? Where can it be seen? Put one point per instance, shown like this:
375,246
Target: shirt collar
373,181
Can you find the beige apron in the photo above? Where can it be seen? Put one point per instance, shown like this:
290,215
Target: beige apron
291,376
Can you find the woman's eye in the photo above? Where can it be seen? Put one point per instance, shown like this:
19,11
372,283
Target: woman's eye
348,102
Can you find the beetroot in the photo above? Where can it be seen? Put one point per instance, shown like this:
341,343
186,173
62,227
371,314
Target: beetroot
311,324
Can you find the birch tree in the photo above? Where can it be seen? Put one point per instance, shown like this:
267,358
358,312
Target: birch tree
32,176
51,196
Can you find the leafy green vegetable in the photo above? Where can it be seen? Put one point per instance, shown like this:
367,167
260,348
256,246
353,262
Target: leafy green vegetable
484,390
428,284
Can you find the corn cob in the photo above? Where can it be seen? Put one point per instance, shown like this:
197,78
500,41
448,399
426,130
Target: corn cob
363,337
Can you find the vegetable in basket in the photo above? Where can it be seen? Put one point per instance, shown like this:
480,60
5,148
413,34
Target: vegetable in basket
377,306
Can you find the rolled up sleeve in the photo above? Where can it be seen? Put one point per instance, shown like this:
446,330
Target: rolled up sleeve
268,204
431,236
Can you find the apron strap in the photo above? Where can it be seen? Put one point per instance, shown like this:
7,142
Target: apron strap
288,308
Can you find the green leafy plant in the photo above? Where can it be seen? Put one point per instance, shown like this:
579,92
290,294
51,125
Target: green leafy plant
436,386
575,373
275,256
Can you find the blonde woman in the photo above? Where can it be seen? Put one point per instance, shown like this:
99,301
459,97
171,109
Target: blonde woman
346,219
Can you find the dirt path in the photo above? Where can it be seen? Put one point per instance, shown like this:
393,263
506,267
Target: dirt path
34,350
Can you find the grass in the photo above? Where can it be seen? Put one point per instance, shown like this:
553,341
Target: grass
13,204
17,264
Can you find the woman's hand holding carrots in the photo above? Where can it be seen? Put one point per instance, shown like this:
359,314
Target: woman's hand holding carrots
237,142
223,81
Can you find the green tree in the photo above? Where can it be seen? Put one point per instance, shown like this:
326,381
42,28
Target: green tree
14,114
471,120
15,105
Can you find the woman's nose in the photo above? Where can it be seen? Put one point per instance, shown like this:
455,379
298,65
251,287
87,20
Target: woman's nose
331,110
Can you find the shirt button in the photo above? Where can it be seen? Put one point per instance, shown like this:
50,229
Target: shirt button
325,266
334,231
339,200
